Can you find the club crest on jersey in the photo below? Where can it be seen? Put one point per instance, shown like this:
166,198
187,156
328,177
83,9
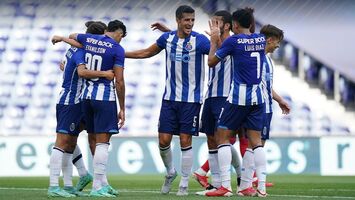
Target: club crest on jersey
188,46
72,127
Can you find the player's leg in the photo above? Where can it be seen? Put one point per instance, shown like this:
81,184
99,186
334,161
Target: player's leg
208,126
254,125
236,158
167,127
188,116
243,141
186,163
57,154
84,176
55,166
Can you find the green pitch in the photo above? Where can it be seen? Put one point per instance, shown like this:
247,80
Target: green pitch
147,187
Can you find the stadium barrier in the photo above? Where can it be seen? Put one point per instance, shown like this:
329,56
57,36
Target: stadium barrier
29,155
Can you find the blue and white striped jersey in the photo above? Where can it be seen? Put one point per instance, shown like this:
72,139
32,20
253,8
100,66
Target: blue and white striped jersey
247,53
220,79
267,80
101,53
185,66
72,83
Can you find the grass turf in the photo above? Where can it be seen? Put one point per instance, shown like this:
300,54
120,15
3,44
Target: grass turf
147,187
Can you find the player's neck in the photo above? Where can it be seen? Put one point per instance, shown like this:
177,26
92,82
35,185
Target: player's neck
181,34
244,31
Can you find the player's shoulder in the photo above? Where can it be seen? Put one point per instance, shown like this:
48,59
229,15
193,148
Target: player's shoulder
198,35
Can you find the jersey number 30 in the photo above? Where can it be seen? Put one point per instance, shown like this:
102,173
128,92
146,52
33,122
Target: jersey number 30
257,56
93,63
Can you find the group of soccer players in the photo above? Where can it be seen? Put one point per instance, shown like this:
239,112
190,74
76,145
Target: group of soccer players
238,97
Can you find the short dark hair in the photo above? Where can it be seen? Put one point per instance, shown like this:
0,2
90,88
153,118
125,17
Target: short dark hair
95,27
183,9
115,25
226,16
272,31
244,17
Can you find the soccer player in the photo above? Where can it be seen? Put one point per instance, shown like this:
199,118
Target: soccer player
69,117
273,37
217,93
183,93
245,103
103,52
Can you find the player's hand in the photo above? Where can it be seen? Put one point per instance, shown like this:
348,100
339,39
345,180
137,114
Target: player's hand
208,33
214,30
56,39
284,107
109,75
61,66
121,118
160,26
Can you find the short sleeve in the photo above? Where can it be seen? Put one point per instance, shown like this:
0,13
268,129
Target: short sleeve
161,41
81,38
226,48
119,57
204,44
79,57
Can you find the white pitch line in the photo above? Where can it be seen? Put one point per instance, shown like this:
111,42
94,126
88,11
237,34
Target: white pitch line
158,192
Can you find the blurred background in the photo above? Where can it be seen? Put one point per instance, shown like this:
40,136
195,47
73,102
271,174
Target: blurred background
314,72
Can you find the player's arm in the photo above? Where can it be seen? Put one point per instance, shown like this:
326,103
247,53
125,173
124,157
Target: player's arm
282,103
72,42
89,74
153,50
120,90
160,26
213,60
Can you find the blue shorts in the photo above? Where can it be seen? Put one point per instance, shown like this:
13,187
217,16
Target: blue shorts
266,128
179,117
210,113
100,116
69,118
235,116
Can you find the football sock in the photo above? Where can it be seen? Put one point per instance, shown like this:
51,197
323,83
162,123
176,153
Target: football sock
203,169
100,163
248,167
78,162
224,162
215,174
186,166
243,145
67,168
55,165
167,157
260,165
236,161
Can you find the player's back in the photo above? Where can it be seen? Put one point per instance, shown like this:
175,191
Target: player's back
72,83
101,53
248,54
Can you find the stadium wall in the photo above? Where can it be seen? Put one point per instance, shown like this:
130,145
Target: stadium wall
29,155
